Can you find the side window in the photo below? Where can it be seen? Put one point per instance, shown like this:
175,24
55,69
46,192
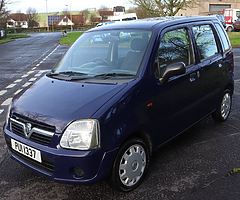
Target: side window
205,40
174,47
223,36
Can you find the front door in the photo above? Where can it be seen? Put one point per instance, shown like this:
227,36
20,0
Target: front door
176,100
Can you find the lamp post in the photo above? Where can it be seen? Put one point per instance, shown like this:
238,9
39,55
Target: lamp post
70,16
47,14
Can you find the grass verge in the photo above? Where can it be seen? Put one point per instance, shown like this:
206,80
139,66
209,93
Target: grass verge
11,37
234,38
70,38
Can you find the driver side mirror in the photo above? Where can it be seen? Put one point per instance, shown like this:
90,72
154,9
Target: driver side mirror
174,69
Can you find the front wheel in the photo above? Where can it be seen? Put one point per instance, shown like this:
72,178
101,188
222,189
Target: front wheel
223,111
130,165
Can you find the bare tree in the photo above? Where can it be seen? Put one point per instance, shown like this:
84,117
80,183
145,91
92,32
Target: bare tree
3,12
156,8
32,17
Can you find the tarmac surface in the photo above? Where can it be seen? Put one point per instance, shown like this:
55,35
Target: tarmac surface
196,165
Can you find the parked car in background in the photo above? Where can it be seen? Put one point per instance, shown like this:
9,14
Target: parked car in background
236,25
231,15
112,101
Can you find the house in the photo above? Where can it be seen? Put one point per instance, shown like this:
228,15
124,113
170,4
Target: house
104,14
66,20
206,7
17,20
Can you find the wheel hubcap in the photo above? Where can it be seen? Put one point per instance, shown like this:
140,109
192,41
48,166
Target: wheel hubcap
226,105
132,165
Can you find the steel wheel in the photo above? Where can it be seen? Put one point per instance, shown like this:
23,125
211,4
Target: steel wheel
226,106
132,165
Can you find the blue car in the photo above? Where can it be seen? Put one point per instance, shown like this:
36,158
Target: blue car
102,111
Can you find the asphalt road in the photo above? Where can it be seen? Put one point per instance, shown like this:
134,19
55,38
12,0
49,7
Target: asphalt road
196,165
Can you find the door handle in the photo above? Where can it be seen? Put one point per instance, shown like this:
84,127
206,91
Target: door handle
194,76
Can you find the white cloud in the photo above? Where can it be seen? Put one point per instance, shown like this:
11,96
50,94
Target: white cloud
59,5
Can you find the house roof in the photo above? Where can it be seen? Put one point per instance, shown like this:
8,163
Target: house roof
18,17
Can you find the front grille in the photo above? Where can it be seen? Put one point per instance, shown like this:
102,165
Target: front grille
34,123
40,132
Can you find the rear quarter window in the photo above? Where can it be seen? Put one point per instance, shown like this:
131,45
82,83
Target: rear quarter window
223,37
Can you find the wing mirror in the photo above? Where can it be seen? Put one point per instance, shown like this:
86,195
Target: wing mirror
174,69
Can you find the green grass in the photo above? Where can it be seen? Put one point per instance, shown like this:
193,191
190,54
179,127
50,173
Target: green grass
234,38
11,37
70,38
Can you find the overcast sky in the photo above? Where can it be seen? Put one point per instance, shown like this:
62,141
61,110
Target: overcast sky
59,5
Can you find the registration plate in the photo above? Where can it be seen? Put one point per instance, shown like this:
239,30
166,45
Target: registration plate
26,150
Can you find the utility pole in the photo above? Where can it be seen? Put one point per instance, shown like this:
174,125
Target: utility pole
69,6
47,14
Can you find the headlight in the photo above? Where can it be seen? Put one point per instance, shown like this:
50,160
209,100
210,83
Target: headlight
81,135
8,114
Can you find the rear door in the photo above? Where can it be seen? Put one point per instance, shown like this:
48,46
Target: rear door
210,61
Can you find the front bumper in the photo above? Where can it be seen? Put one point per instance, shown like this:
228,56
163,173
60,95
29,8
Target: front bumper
61,165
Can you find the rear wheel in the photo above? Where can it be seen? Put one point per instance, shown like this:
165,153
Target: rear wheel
130,165
223,111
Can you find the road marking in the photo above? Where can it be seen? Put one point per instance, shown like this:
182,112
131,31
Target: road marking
11,86
26,75
7,102
32,79
26,84
17,92
37,65
34,68
3,92
37,75
18,81
238,80
30,72
1,111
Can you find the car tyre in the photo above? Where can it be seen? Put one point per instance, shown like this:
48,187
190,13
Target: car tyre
130,165
224,108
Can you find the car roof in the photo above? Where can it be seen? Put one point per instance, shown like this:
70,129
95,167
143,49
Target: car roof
151,23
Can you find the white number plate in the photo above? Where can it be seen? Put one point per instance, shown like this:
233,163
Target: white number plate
26,150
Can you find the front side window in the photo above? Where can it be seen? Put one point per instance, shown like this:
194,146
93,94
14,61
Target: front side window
105,52
174,47
205,40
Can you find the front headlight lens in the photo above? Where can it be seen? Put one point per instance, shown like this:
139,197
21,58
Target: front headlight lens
81,135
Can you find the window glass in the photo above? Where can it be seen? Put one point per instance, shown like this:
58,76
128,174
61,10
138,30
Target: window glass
205,40
175,47
112,51
223,36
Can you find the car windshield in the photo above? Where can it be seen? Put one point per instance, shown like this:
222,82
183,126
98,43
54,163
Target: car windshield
98,54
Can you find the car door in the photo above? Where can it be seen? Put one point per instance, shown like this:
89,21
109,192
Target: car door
175,100
210,61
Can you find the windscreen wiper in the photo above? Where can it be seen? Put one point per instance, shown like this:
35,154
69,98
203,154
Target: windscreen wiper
114,74
68,75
